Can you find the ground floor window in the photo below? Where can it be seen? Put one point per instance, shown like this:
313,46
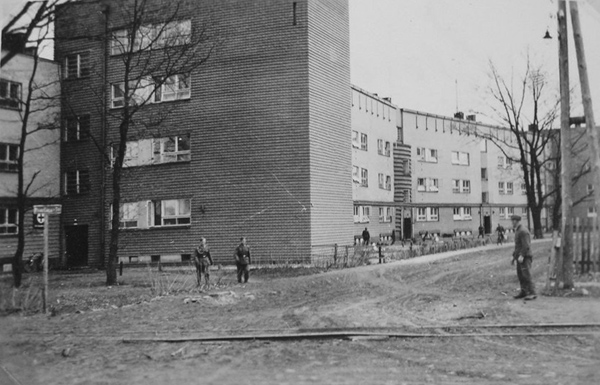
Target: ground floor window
362,214
8,221
462,214
157,213
428,214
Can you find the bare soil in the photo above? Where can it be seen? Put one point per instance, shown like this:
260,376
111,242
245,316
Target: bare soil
83,342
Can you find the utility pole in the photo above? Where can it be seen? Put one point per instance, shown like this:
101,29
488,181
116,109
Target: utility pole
586,97
565,257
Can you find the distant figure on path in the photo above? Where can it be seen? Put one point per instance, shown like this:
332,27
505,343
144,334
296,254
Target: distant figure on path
242,260
500,231
202,261
524,258
481,232
366,236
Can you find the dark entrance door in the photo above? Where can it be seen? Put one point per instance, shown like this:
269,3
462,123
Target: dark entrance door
407,228
487,224
76,239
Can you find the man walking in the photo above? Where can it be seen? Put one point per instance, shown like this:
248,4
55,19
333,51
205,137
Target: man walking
500,231
523,256
242,260
481,232
366,236
202,260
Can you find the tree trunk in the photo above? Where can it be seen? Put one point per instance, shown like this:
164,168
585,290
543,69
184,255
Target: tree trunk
536,217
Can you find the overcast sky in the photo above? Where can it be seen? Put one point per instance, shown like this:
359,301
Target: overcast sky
421,52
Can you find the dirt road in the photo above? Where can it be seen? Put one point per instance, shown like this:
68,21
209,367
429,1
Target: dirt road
472,289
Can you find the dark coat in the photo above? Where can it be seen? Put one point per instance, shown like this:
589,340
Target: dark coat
522,242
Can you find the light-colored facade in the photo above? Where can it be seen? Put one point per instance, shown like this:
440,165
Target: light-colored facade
374,133
42,150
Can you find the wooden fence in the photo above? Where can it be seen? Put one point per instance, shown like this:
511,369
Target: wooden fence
586,254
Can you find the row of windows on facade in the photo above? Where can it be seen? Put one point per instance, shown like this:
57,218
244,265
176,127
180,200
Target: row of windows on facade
370,105
360,141
362,214
155,213
10,94
152,36
432,214
361,176
430,155
9,157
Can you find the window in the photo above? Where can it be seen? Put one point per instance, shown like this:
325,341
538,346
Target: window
510,211
362,214
77,182
432,156
174,212
501,188
386,214
8,221
132,214
466,187
157,151
356,174
139,93
592,213
485,197
509,163
152,36
509,188
484,176
364,177
590,189
500,161
433,214
460,158
175,87
77,66
355,139
456,186
383,147
9,157
421,184
363,142
502,212
10,94
388,149
420,153
388,182
77,128
523,210
380,145
432,184
381,178
462,214
523,189
421,214
405,167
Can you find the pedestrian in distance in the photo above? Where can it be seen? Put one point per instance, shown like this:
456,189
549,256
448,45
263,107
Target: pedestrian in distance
366,236
481,232
242,260
500,231
202,261
523,256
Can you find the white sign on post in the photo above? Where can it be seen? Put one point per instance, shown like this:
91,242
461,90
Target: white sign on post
47,210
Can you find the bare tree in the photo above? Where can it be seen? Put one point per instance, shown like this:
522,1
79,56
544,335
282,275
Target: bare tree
157,47
41,96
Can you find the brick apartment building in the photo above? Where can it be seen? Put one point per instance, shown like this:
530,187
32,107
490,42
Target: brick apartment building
42,150
257,144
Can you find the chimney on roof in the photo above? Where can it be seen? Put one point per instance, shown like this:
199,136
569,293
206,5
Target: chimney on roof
388,99
472,118
459,115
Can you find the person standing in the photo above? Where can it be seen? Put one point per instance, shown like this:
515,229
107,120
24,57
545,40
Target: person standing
524,258
481,232
242,260
202,260
366,236
500,231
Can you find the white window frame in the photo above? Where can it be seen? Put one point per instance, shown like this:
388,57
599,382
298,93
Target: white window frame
140,92
456,184
465,187
81,65
592,212
510,211
467,214
171,89
433,214
180,218
464,159
80,187
433,184
502,212
523,189
10,159
381,180
501,188
7,227
421,214
364,142
388,182
380,146
356,174
501,161
421,184
590,189
178,155
364,177
355,139
431,155
421,153
362,214
509,188
388,149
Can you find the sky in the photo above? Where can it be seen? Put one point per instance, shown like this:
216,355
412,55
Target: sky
434,55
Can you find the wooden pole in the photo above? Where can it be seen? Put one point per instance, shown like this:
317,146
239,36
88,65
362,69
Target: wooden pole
45,301
565,262
586,97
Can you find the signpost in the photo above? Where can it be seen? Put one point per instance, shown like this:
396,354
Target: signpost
47,210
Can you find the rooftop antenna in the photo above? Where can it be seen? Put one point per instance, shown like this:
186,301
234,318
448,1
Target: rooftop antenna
456,89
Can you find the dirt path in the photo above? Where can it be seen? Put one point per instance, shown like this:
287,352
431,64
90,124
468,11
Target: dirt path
438,290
